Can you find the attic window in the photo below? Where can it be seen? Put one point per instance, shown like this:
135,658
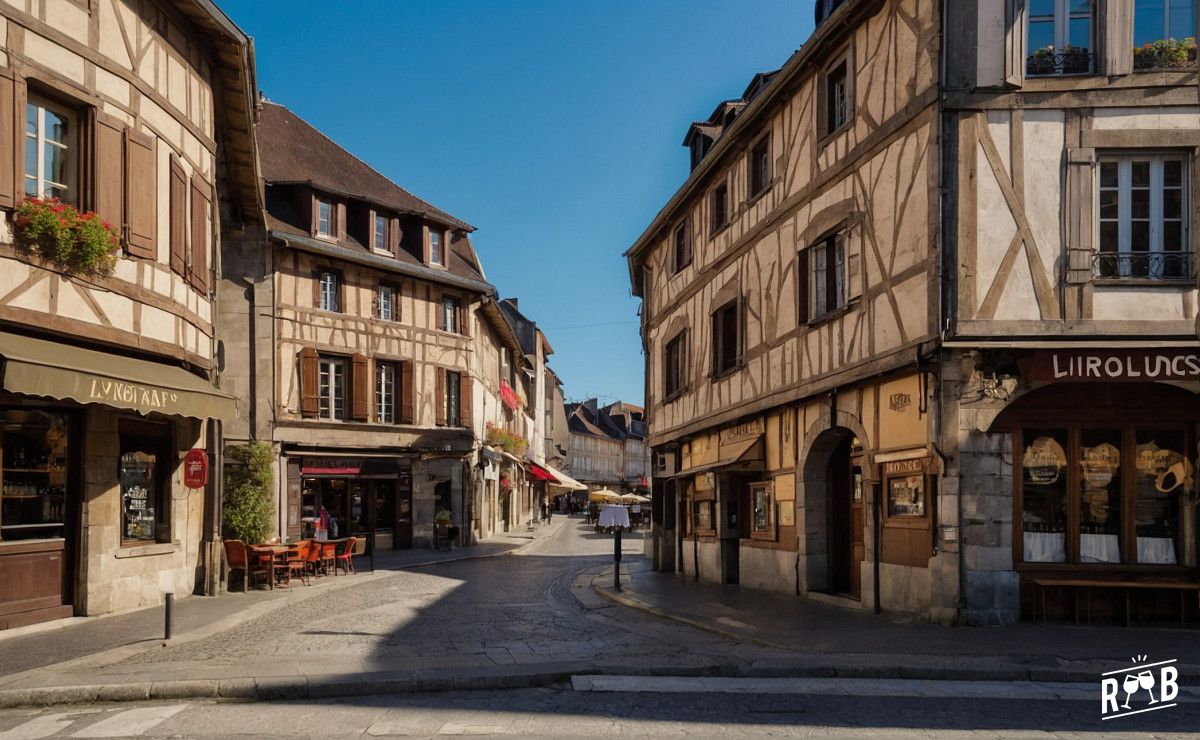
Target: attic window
324,218
437,255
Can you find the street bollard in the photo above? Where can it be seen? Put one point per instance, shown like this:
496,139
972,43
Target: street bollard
617,559
169,606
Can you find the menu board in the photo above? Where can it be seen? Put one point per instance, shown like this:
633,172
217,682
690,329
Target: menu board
137,499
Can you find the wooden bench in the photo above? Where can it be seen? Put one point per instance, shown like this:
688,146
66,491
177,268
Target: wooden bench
1040,585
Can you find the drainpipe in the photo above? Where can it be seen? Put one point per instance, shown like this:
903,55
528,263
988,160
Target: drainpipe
214,492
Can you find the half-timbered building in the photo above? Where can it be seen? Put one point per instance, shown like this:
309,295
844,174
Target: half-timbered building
137,113
920,324
350,323
1070,363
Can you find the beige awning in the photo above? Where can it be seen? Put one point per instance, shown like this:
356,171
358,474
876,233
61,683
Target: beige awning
40,367
564,481
745,455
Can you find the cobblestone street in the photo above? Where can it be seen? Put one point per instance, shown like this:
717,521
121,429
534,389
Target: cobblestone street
485,612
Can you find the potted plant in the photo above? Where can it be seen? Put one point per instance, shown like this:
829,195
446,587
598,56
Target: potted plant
1041,62
59,234
1165,54
247,511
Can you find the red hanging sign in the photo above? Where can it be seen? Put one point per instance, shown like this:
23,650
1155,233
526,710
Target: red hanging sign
195,468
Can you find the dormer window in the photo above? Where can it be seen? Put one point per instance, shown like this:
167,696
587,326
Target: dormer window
836,87
324,218
436,254
380,234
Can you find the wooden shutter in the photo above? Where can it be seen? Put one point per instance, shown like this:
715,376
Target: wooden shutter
441,312
464,400
12,165
360,390
1079,214
1116,23
109,171
310,392
463,327
339,227
141,187
802,298
852,255
406,392
178,208
393,235
316,285
314,214
340,284
439,397
198,270
1014,36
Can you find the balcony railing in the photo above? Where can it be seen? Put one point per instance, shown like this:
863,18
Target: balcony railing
1070,60
1143,265
1167,54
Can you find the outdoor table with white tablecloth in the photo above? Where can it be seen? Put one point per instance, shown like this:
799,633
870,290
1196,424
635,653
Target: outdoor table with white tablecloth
614,516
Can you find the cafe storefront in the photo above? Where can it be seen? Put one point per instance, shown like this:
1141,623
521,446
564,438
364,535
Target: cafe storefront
364,496
1102,479
95,515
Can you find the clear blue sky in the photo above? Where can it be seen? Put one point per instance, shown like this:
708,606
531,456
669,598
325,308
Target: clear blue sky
552,126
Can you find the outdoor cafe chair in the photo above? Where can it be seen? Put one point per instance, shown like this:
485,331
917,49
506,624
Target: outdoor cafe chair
297,560
345,556
237,557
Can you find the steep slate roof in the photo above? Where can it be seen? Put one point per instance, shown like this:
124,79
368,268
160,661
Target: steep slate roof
292,151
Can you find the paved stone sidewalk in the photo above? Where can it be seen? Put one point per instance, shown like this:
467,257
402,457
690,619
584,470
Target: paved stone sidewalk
28,648
854,642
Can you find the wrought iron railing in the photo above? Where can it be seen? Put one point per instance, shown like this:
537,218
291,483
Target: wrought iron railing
1168,54
1068,61
1143,265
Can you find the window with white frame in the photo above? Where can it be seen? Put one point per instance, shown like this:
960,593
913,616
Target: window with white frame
435,248
838,99
330,292
385,393
49,139
1143,206
387,302
453,398
1159,20
332,388
1059,37
450,307
381,232
324,218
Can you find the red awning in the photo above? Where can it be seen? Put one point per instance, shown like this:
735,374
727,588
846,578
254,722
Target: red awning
539,473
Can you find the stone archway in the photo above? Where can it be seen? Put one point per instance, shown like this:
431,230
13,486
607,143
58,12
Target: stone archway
813,495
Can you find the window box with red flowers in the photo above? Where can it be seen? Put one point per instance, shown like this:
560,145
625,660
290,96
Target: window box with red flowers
72,241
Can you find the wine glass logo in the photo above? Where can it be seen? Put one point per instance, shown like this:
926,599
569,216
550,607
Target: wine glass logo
1130,686
1146,681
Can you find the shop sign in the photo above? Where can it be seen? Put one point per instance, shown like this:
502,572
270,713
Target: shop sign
195,468
331,465
905,467
1128,366
741,432
132,395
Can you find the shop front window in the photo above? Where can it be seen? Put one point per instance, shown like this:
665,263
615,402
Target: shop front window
1100,496
143,469
385,505
762,522
1044,481
33,495
1161,474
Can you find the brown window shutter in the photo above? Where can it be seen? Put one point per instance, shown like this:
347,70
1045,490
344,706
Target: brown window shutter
802,289
109,171
316,285
1081,165
198,271
342,289
360,395
441,315
406,391
439,397
314,215
393,235
178,207
11,176
464,399
463,327
141,185
339,227
310,398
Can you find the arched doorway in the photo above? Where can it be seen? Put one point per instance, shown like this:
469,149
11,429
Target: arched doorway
833,503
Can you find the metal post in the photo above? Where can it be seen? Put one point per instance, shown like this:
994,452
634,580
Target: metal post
169,605
617,559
